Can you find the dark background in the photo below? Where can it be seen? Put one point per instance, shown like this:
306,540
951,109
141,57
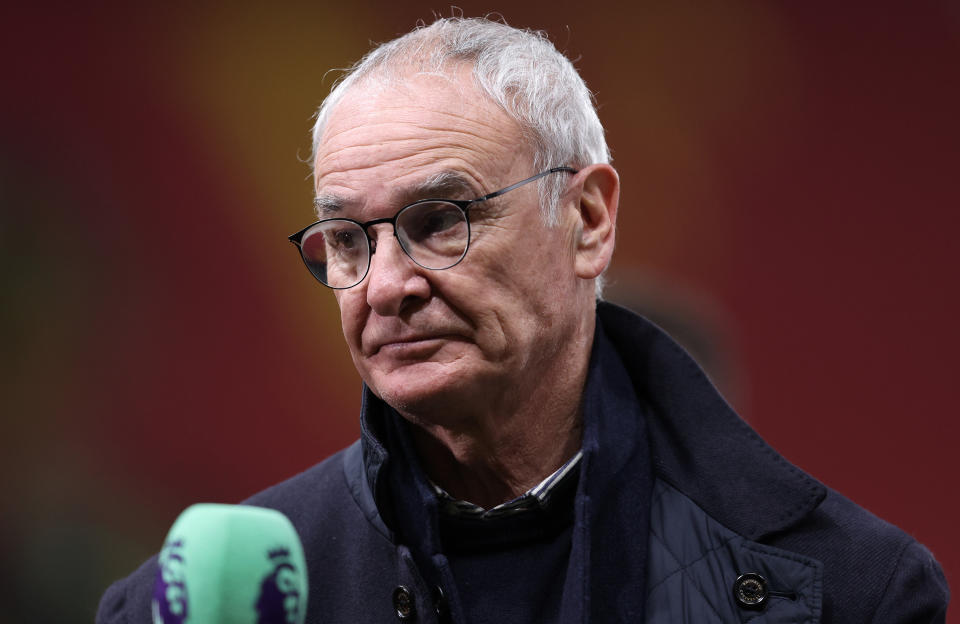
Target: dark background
789,209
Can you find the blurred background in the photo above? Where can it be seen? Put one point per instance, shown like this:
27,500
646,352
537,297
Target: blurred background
790,195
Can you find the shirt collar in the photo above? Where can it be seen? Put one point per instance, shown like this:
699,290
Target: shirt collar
535,498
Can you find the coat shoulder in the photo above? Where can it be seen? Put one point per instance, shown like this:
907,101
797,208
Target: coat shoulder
303,494
872,570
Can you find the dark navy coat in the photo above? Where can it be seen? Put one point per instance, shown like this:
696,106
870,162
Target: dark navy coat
724,530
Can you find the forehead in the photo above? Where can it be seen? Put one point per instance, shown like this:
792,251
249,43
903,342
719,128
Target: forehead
381,137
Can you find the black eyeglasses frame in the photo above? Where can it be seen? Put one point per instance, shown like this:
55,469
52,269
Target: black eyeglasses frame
463,204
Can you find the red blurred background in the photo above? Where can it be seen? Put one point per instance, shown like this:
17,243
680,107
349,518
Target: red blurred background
790,191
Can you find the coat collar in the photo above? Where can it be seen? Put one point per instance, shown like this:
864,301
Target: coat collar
699,444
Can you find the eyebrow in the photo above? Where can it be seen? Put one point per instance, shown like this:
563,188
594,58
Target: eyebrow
328,203
442,185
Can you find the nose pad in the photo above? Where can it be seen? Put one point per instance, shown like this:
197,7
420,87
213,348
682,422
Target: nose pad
374,238
375,229
391,254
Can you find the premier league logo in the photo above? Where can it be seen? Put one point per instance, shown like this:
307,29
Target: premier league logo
279,601
170,590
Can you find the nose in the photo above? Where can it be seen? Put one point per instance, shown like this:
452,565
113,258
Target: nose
394,282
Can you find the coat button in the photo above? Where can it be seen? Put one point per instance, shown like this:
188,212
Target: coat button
403,603
750,591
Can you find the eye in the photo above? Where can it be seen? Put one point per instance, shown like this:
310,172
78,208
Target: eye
343,239
336,251
440,221
337,238
425,221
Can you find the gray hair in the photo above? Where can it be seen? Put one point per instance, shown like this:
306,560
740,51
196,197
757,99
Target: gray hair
520,70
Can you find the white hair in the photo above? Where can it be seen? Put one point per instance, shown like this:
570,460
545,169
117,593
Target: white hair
519,70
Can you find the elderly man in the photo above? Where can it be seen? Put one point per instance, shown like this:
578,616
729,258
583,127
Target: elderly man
529,454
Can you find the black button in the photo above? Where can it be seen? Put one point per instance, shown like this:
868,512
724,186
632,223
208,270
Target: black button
403,603
750,591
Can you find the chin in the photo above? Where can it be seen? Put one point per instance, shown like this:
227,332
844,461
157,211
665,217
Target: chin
420,390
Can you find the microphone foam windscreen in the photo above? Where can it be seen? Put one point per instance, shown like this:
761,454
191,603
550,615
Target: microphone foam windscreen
231,564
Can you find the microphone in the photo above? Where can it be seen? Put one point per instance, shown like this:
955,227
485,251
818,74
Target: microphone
230,564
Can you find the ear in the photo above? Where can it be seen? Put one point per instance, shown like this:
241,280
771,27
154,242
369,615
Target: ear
599,198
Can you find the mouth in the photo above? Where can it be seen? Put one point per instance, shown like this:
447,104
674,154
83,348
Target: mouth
411,347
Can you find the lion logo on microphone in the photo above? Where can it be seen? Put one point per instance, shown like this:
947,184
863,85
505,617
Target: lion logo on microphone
169,604
279,601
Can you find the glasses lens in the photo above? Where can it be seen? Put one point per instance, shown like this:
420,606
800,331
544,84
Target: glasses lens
337,252
434,234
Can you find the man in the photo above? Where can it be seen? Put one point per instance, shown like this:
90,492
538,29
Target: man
529,454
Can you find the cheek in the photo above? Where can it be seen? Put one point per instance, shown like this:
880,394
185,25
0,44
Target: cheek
500,311
352,317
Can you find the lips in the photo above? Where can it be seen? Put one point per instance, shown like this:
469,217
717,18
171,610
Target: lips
395,333
407,343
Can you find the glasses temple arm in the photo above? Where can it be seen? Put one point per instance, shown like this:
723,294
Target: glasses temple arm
527,181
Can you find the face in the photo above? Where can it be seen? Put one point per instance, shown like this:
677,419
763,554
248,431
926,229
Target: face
475,334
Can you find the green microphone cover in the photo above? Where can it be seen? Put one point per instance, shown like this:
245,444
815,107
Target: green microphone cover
231,564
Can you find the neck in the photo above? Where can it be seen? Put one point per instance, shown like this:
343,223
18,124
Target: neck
510,442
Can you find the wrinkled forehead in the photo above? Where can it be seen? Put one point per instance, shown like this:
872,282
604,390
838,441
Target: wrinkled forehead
414,73
452,90
423,122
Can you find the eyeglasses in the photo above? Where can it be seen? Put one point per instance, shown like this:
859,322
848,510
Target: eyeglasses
434,233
